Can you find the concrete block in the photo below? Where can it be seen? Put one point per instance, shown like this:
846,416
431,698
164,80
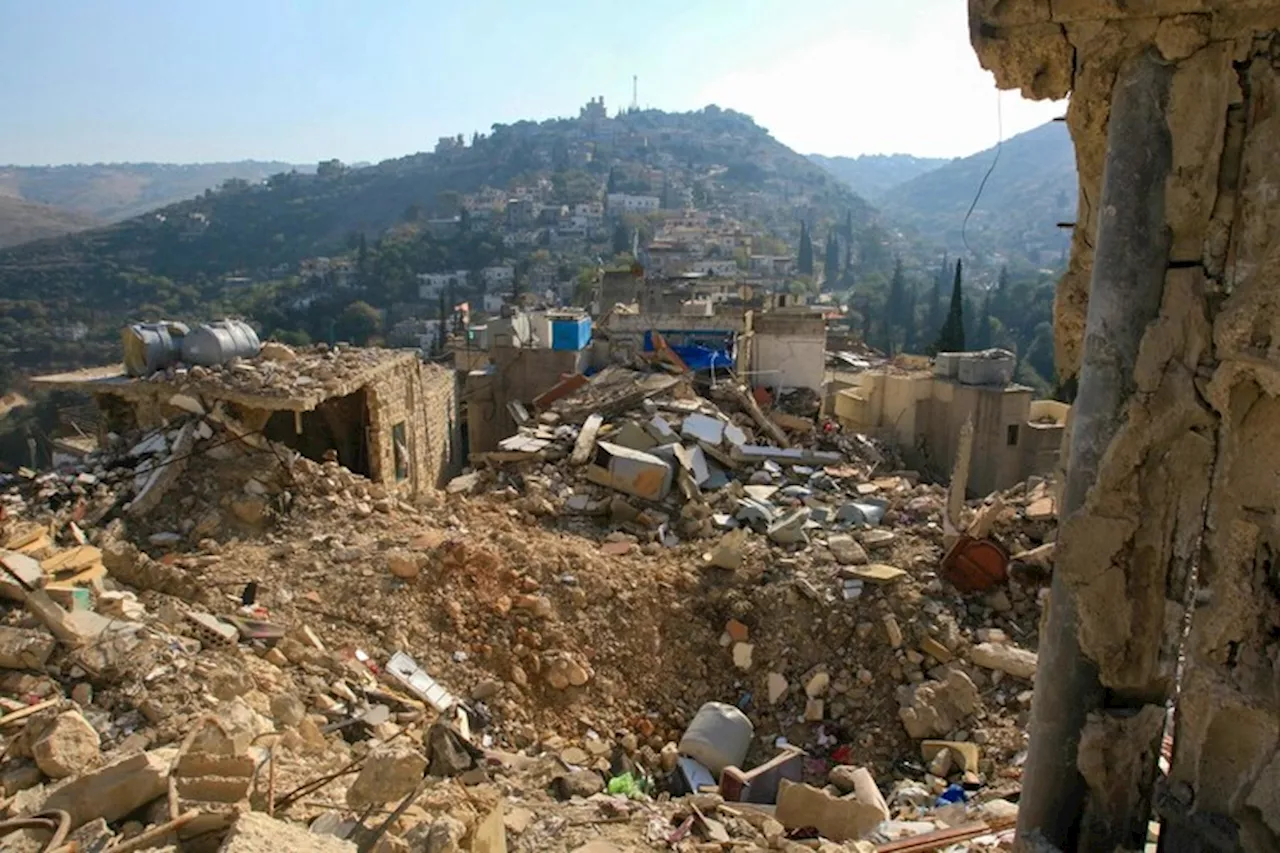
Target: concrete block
114,790
836,818
24,648
254,832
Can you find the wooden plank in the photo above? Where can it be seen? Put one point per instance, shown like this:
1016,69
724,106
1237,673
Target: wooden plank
19,716
930,841
72,559
586,442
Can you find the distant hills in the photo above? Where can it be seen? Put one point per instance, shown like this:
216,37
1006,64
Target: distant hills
22,221
872,175
1031,189
109,192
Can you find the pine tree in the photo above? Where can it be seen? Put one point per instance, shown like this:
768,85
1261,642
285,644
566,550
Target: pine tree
805,261
831,269
951,336
846,277
848,226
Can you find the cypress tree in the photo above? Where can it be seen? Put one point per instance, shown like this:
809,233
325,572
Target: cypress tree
896,305
848,225
982,338
951,336
831,269
909,320
805,261
935,302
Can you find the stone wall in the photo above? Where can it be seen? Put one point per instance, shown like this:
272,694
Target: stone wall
1184,507
416,403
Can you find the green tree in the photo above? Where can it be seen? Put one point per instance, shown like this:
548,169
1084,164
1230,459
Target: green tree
358,323
848,226
621,239
951,335
805,261
831,267
982,337
909,331
895,309
935,299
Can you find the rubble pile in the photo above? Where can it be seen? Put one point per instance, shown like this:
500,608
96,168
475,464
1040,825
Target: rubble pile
214,640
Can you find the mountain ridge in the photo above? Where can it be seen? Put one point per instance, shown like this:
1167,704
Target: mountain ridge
872,175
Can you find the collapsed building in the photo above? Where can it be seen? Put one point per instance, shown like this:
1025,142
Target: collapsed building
383,414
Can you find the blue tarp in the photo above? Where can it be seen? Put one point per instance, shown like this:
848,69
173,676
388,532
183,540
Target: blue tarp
696,357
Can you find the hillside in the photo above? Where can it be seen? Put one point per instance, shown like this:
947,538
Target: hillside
176,261
22,221
1031,190
113,191
873,175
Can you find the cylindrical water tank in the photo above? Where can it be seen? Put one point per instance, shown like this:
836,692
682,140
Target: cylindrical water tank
149,347
718,737
211,344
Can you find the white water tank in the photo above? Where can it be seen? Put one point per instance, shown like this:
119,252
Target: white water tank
211,344
718,737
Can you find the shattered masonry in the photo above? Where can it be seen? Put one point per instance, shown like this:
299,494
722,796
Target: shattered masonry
1188,485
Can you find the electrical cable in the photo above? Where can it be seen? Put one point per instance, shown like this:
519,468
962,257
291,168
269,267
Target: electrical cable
982,186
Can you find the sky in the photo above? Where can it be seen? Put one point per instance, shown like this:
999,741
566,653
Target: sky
363,80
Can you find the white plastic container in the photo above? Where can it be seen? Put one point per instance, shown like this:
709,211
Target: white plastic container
718,737
211,344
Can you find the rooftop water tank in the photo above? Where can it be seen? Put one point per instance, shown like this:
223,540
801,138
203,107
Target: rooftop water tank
149,347
212,344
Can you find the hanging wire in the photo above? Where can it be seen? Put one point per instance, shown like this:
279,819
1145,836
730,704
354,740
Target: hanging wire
996,159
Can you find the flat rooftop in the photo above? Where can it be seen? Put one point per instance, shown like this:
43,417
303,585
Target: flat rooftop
314,375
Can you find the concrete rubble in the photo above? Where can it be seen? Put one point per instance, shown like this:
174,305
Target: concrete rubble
520,655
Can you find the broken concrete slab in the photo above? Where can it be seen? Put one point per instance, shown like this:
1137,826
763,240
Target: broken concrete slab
24,648
933,709
66,746
729,550
1011,660
254,832
26,568
389,773
789,530
846,549
114,790
965,754
790,455
836,818
634,436
703,428
878,573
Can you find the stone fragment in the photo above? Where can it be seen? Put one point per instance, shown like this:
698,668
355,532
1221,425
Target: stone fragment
250,509
1011,660
817,686
24,648
254,832
893,631
846,549
936,708
389,773
777,687
836,818
737,631
814,710
936,650
742,655
114,790
878,573
1003,811
287,709
844,777
964,754
403,564
67,746
579,783
18,774
486,689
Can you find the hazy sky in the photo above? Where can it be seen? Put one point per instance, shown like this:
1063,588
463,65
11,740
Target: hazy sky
304,80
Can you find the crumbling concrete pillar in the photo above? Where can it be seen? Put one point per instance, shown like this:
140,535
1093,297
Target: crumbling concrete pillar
1178,504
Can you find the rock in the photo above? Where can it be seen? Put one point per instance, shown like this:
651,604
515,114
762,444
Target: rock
998,811
936,708
940,764
250,509
94,835
447,753
878,573
936,650
116,789
276,351
877,538
517,820
574,756
486,689
1011,660
893,631
287,709
817,685
563,672
836,818
789,530
728,551
231,729
254,832
814,710
846,549
67,746
443,835
742,655
964,754
18,774
579,783
24,648
776,686
736,630
389,773
403,564
668,758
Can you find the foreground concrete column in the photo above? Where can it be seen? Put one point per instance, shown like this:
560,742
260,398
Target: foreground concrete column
1176,501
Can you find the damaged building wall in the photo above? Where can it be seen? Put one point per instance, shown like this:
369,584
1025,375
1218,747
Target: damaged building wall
789,351
413,427
1186,485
